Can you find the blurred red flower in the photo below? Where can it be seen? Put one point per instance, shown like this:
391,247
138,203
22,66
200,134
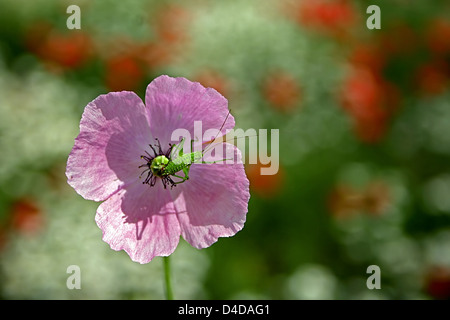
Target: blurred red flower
433,78
335,17
171,23
66,50
3,237
213,79
370,101
26,217
438,35
264,185
346,201
127,61
399,39
438,282
370,56
282,91
123,72
155,54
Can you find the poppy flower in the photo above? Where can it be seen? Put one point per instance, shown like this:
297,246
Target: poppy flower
432,77
145,217
171,23
437,35
370,101
281,90
346,201
213,79
27,217
57,49
438,282
266,186
327,17
123,73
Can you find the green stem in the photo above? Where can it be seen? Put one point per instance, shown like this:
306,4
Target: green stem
169,293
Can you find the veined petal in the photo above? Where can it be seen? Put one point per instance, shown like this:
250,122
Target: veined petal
176,103
114,132
214,201
141,220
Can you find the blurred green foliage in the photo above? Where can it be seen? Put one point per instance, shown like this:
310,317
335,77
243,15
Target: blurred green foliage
364,120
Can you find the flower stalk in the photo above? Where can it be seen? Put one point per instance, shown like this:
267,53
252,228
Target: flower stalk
167,279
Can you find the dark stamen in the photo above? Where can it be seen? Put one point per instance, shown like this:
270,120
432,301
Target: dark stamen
151,178
154,151
159,146
167,154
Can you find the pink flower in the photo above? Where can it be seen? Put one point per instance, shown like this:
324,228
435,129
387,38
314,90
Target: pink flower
143,218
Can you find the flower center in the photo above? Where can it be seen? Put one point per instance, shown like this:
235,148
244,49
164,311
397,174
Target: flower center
158,164
155,165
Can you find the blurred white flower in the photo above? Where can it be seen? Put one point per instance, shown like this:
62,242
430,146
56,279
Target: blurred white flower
35,267
311,282
38,121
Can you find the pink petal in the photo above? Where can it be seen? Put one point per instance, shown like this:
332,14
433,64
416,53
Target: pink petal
114,132
177,102
214,201
140,220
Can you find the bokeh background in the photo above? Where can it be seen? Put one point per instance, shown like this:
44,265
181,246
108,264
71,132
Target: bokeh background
364,120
